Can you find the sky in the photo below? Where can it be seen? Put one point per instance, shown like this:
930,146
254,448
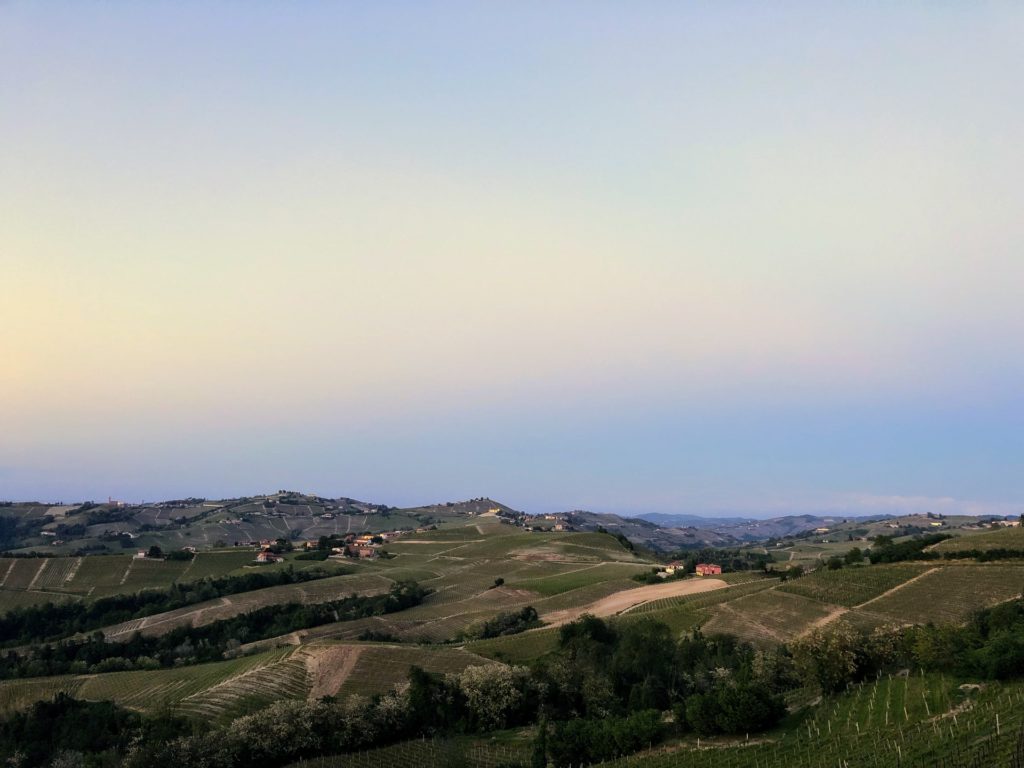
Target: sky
696,257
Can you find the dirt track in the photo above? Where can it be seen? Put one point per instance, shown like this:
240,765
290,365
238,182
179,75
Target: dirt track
630,598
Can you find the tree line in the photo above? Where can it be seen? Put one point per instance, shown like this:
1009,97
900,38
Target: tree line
44,623
193,645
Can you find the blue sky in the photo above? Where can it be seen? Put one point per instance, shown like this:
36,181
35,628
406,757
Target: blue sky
712,258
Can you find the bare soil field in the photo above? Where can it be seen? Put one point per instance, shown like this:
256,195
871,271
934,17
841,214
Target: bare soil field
330,667
629,598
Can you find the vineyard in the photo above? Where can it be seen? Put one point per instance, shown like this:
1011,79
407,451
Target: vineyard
702,600
517,649
1001,538
580,577
582,596
949,594
910,721
16,695
147,690
38,580
766,617
430,753
852,586
553,573
380,668
317,591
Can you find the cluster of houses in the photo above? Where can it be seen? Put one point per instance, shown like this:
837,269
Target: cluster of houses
285,503
702,569
364,546
535,522
268,556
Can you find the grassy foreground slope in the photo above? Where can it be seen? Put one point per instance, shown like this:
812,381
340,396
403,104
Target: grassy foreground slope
889,723
895,721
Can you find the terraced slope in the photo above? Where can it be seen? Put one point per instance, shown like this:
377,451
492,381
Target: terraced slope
225,689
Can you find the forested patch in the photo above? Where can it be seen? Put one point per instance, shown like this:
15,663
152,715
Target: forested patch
66,728
508,623
885,550
985,555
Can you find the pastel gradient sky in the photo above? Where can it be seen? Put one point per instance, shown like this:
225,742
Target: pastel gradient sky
703,257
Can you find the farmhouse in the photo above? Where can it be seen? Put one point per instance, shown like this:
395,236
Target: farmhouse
266,556
708,569
675,565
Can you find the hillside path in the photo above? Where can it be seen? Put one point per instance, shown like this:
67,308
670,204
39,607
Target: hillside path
897,587
839,611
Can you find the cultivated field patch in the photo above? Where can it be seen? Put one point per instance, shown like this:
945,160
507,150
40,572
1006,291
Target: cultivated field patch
1002,538
852,586
767,617
949,594
380,668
